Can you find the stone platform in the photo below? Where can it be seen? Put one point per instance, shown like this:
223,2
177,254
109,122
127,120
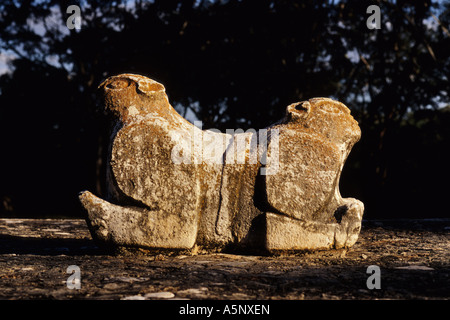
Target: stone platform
413,257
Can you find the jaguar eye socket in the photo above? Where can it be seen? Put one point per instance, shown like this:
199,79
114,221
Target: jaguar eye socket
118,84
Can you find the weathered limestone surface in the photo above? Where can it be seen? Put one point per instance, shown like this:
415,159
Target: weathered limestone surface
172,185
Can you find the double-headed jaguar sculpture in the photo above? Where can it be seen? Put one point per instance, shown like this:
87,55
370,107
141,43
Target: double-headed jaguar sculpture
172,185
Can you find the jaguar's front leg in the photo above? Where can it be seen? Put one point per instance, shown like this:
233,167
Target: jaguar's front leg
129,226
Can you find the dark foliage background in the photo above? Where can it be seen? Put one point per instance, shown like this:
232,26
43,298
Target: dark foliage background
234,64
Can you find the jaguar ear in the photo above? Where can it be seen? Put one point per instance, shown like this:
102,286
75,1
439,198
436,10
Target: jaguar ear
149,86
298,110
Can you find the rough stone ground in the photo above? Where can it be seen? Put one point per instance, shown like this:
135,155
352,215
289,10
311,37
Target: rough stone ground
413,256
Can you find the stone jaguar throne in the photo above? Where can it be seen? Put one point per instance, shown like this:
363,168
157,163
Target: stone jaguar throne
172,185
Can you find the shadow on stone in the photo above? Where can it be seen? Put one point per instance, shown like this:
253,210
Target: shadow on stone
47,246
434,225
